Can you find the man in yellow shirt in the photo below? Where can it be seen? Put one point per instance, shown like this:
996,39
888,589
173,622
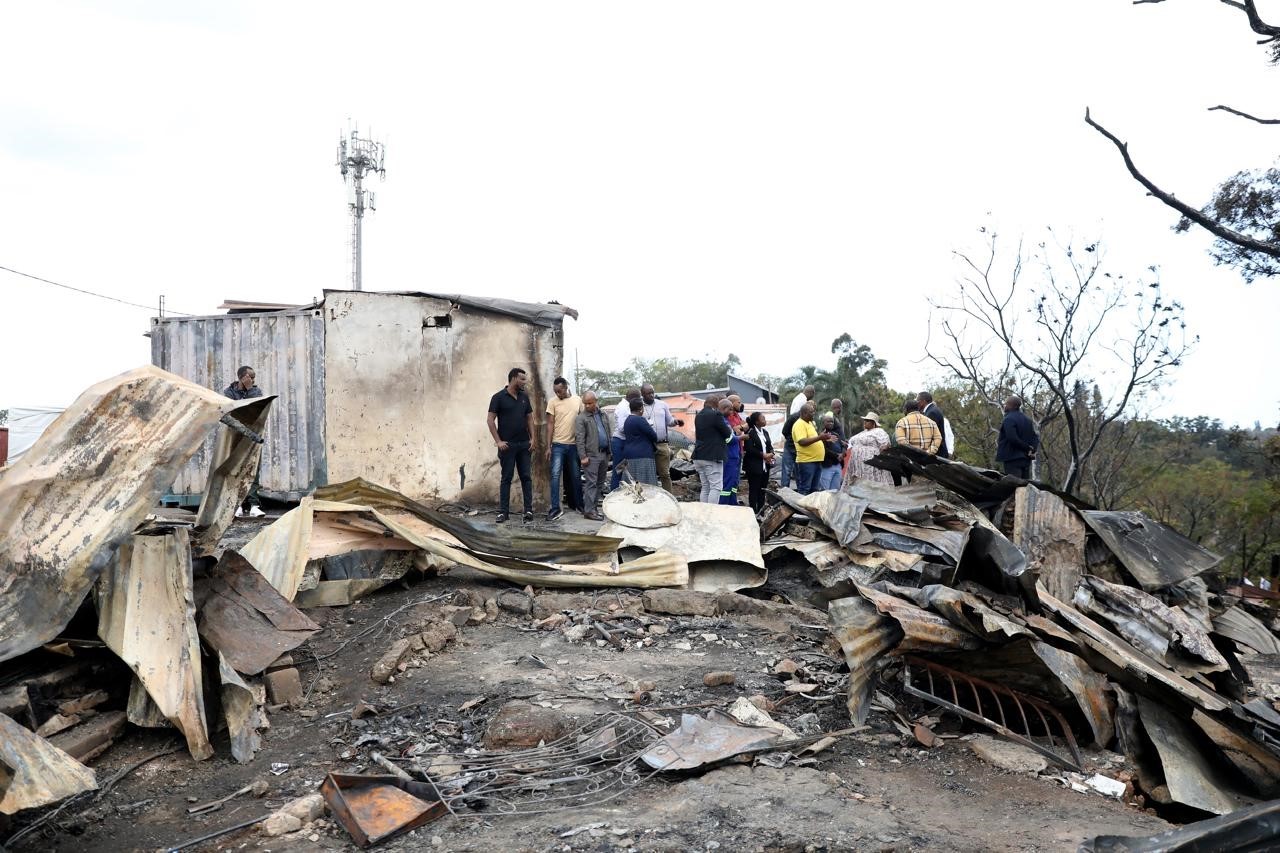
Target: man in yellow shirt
917,430
562,446
810,450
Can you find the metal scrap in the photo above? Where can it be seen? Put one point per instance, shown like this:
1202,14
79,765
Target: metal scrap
84,487
374,808
1052,536
146,615
1155,554
720,543
33,772
1015,715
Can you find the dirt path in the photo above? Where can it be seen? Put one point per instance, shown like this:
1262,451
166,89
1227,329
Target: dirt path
872,791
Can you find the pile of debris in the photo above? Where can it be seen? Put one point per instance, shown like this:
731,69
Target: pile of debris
1050,622
1005,603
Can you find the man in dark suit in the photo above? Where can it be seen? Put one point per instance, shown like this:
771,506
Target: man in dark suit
1017,443
933,412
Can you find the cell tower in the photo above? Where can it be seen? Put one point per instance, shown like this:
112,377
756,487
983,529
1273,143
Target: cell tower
356,158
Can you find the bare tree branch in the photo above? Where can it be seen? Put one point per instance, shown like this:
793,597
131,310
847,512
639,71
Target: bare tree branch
1227,109
1213,227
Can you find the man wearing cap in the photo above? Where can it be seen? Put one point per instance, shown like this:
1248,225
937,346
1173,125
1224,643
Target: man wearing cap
659,416
864,445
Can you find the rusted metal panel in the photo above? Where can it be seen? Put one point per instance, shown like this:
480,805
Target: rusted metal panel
865,636
924,630
409,392
1154,553
246,619
35,772
1236,624
1052,536
286,350
235,462
374,808
1193,779
146,615
84,487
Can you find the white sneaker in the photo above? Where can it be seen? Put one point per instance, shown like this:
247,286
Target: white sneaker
239,512
256,512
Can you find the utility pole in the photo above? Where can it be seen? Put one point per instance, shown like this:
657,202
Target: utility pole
356,158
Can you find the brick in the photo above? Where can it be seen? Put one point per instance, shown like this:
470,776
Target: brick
284,687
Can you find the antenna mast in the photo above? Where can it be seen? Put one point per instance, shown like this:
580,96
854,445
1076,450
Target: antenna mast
356,158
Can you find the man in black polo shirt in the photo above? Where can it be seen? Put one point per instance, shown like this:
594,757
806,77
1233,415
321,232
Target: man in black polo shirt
511,425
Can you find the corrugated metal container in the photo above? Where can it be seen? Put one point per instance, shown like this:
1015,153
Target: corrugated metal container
286,350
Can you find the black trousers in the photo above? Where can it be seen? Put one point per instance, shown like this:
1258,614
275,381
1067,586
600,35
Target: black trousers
1018,468
515,457
757,482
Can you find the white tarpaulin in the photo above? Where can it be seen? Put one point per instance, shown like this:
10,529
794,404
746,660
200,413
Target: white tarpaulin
25,426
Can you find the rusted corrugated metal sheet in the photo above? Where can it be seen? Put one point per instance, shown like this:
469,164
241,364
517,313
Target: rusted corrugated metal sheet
286,350
36,772
146,615
84,487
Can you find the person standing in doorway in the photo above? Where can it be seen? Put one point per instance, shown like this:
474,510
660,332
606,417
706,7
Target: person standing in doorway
562,446
659,416
1017,443
246,387
758,456
592,439
711,440
511,425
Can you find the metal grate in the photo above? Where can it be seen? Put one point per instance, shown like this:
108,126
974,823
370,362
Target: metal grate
1015,715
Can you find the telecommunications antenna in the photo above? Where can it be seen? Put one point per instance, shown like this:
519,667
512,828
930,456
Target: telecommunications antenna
356,158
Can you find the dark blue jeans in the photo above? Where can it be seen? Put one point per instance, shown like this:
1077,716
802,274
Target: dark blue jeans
515,457
615,450
788,467
564,460
807,474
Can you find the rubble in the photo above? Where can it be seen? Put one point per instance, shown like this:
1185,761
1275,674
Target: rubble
962,601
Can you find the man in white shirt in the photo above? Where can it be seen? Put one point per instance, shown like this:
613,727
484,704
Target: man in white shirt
659,416
803,397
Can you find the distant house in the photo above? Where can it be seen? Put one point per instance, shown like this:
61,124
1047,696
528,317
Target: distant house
750,392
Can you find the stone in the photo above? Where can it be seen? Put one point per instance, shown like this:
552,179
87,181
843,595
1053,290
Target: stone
385,667
519,725
456,614
576,633
1012,757
550,603
305,809
679,602
515,601
260,788
718,679
280,823
284,687
437,635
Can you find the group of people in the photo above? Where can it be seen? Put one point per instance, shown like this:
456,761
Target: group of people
816,454
581,440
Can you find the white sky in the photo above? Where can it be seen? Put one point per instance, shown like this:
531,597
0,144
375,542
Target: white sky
697,178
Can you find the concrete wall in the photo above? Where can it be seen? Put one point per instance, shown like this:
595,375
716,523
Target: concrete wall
408,385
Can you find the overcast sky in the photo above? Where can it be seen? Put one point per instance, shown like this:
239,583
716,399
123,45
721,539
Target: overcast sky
696,178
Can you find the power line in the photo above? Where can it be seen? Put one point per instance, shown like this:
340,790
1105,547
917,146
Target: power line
151,308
